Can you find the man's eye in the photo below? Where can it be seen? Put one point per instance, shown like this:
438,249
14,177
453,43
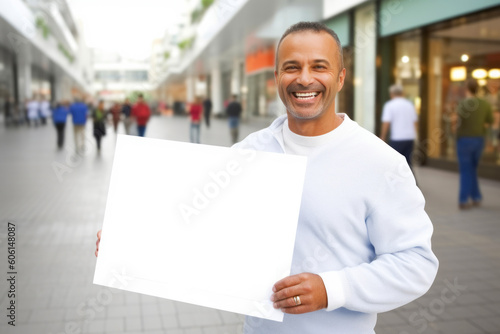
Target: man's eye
290,68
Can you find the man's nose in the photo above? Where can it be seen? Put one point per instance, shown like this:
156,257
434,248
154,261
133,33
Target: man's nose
305,77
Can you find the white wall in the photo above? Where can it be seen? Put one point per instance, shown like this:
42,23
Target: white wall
364,66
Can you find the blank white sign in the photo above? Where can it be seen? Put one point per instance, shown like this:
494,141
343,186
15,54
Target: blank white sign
206,225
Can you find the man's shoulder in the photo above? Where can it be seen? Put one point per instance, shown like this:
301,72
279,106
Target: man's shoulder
264,139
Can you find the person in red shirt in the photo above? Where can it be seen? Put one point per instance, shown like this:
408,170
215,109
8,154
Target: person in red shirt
141,114
195,111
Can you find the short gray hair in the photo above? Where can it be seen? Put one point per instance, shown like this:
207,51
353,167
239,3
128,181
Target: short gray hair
316,27
396,89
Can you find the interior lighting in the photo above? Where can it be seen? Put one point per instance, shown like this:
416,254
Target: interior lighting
482,82
479,73
464,57
494,73
405,59
458,73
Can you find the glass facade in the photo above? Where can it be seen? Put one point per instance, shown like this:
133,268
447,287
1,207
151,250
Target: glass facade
7,77
433,63
457,51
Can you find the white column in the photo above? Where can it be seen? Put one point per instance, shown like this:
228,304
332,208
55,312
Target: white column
235,78
24,78
216,87
364,66
190,89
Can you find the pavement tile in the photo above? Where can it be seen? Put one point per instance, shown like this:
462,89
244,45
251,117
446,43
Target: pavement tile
490,324
152,322
133,324
458,327
114,325
169,321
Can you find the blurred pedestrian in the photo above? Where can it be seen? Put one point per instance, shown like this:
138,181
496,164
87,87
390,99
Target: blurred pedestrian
33,112
8,107
44,110
233,112
207,110
59,116
115,112
400,116
473,115
99,123
195,110
141,114
79,111
126,111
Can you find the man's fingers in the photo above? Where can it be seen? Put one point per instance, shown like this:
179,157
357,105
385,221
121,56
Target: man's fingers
287,293
287,282
297,309
290,302
97,242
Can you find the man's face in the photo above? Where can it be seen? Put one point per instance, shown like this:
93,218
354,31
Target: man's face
308,74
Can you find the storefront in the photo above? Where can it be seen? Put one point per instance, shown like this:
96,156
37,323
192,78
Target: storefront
432,58
342,25
261,92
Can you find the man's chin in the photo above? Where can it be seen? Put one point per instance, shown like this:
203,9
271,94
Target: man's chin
302,114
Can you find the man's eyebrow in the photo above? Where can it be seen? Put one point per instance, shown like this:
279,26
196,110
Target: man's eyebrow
324,61
315,61
289,62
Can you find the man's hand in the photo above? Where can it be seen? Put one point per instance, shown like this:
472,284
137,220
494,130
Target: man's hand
309,288
97,242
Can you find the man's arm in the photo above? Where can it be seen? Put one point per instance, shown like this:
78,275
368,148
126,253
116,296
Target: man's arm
404,266
385,130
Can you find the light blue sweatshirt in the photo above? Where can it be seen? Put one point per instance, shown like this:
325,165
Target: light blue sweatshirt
362,227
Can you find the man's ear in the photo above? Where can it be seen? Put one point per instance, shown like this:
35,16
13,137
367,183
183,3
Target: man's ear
341,79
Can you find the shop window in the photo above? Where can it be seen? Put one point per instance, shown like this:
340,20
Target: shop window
456,53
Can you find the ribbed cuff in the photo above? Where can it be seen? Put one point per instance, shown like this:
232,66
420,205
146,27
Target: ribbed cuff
334,282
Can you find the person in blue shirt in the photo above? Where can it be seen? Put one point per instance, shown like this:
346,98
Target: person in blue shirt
79,111
59,116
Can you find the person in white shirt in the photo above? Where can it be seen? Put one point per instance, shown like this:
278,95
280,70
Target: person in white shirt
44,110
400,116
33,111
363,237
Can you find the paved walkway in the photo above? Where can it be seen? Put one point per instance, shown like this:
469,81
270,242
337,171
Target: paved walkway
57,201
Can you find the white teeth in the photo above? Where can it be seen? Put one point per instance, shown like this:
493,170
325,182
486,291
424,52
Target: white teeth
306,96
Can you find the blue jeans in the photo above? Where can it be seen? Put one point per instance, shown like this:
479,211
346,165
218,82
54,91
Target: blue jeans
194,133
469,151
141,130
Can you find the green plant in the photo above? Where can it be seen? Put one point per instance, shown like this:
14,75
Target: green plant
196,15
166,55
42,25
65,52
186,43
206,3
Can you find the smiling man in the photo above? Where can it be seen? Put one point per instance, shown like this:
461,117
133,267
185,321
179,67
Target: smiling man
363,237
363,242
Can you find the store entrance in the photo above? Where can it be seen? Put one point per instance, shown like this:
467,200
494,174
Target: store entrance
466,48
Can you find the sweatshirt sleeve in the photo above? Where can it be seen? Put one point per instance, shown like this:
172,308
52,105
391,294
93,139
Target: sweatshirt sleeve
404,266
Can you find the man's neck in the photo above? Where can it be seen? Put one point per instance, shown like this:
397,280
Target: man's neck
314,127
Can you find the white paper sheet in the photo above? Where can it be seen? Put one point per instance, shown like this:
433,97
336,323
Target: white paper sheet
206,225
